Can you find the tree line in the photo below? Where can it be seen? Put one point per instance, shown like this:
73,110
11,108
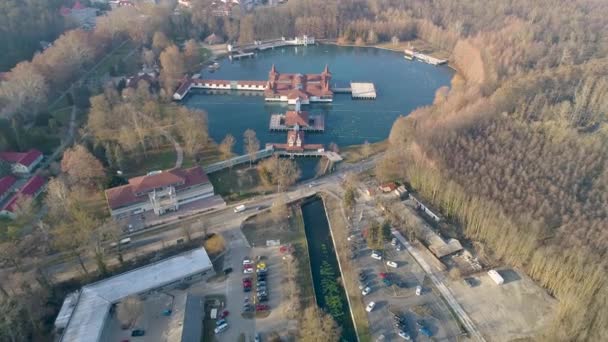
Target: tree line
514,150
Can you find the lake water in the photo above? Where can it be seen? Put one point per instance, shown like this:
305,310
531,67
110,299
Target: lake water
401,86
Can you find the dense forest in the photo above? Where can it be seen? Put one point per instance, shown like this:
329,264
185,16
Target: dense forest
23,24
515,150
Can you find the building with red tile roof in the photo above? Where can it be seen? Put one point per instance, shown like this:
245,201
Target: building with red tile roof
6,183
291,87
22,162
31,189
160,191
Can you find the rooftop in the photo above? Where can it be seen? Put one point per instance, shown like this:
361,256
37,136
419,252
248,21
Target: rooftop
29,189
138,187
23,158
88,318
6,183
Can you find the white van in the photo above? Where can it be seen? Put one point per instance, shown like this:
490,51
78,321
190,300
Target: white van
239,208
221,328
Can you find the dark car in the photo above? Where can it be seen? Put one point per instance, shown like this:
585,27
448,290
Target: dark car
138,332
228,270
263,299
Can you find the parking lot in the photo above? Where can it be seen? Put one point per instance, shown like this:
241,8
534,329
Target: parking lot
242,323
426,310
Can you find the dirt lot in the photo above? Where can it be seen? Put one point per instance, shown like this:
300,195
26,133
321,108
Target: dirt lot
517,309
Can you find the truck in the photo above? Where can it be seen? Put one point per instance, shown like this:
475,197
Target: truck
496,277
239,208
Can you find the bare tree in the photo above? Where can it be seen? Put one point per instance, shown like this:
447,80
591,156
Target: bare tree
279,209
252,144
173,68
81,166
129,309
226,146
366,149
316,325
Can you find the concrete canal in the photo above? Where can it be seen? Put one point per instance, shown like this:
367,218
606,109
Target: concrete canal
330,294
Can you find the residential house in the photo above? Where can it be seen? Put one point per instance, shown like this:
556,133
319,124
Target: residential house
31,189
22,162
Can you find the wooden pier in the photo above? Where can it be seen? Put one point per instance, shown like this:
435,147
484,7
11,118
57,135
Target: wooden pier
365,91
241,55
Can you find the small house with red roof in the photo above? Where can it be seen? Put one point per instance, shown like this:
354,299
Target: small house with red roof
388,187
22,162
31,189
298,120
84,16
159,191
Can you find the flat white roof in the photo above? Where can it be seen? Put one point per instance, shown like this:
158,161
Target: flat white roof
87,321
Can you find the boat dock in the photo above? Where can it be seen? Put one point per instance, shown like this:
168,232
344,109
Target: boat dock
358,90
412,54
365,91
240,55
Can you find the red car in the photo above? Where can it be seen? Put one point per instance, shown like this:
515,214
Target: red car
247,282
261,307
224,314
383,275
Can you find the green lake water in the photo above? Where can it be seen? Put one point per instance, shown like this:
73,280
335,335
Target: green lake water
401,86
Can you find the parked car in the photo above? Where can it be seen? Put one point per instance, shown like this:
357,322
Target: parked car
247,270
370,306
138,332
257,337
262,307
225,314
387,282
418,290
261,265
383,275
391,264
221,328
261,271
398,247
394,241
362,285
376,255
247,261
425,331
220,322
247,280
366,291
261,283
228,270
362,276
404,335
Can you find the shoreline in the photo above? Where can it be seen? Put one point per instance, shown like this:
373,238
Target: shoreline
333,42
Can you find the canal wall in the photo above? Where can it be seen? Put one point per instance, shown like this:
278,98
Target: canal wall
333,240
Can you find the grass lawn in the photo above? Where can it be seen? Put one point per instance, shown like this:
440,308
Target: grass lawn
418,44
120,56
161,159
339,230
355,153
236,183
62,116
261,227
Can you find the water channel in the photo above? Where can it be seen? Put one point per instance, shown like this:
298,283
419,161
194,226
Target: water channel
329,293
401,86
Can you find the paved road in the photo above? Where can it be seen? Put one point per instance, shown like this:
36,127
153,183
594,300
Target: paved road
445,292
156,239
